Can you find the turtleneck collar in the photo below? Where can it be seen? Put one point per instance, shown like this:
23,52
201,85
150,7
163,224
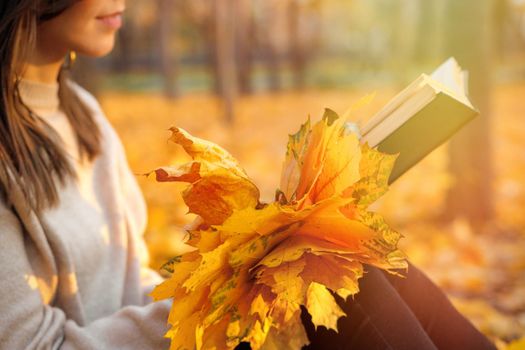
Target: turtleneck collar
42,98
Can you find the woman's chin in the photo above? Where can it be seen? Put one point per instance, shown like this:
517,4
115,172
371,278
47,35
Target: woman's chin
102,48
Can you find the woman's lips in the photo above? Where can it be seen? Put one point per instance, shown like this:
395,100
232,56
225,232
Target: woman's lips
113,20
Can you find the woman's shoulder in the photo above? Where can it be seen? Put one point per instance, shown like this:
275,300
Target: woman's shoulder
7,217
85,96
109,135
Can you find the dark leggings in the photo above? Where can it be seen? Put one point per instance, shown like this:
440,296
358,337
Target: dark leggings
391,312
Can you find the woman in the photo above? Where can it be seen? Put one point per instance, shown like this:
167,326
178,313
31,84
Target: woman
73,262
71,215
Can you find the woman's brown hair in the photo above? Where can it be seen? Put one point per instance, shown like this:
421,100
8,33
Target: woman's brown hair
30,150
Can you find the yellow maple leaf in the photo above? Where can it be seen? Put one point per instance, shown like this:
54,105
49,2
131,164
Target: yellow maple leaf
322,306
218,184
255,264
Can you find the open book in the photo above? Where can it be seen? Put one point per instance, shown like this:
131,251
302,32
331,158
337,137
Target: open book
421,117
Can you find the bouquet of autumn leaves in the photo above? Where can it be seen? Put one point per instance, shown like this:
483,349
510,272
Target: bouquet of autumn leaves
255,264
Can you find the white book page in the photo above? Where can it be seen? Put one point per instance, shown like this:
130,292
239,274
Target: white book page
451,79
406,95
400,115
448,78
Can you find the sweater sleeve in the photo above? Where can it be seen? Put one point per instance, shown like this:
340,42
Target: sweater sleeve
136,206
137,218
30,322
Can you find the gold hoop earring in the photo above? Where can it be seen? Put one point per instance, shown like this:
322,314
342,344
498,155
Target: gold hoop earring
70,59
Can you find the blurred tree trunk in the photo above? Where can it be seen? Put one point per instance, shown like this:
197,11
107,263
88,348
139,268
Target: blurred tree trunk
296,49
244,38
469,39
507,31
426,39
273,66
168,65
225,55
267,28
121,61
207,26
403,37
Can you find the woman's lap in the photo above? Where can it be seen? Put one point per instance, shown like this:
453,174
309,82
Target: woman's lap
378,318
392,312
446,327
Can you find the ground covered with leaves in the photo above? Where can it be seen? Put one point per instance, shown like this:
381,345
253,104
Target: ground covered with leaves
482,270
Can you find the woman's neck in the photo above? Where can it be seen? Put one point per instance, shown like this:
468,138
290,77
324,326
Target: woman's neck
47,74
43,66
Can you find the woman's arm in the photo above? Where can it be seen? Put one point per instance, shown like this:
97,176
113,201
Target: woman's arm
29,321
136,215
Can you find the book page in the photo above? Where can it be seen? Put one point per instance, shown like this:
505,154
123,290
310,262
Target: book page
406,95
451,79
421,117
448,77
397,117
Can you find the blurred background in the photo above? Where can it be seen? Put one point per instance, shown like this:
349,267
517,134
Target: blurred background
245,73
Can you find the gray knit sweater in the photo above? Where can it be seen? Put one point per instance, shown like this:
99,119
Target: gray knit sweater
75,276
